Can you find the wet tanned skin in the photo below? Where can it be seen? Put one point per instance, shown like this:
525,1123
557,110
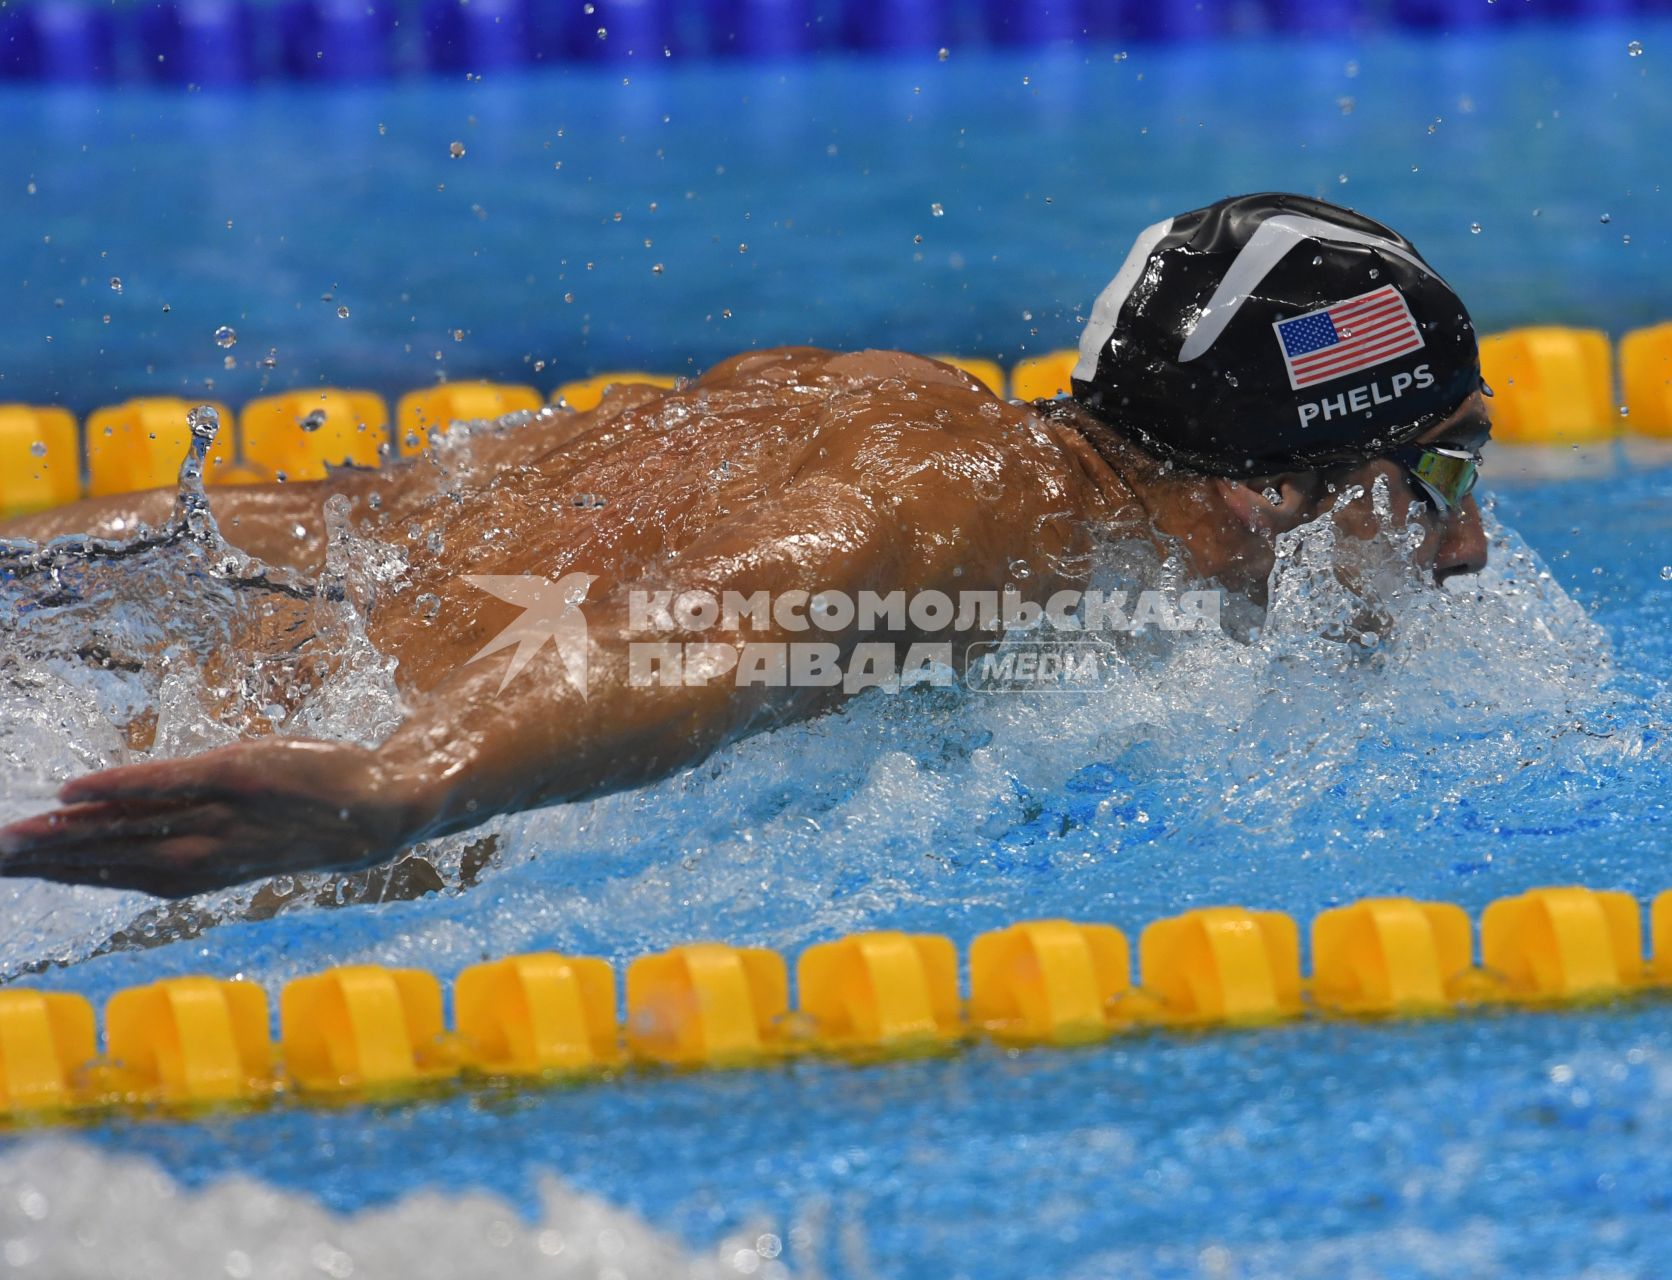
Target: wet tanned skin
793,469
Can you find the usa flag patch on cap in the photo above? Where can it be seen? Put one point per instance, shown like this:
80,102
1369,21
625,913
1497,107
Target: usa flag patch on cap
1359,333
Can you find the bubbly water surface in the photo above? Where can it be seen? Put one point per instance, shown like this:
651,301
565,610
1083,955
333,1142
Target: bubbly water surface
1502,733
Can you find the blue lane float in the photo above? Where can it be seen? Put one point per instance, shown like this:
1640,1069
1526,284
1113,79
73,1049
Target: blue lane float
764,29
211,43
201,42
336,39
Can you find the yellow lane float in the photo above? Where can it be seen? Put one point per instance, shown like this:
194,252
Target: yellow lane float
40,459
1550,386
421,414
364,1030
294,436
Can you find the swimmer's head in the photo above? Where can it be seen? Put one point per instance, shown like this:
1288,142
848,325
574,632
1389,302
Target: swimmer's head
1272,333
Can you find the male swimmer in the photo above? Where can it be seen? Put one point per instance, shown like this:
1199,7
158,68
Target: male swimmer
1248,363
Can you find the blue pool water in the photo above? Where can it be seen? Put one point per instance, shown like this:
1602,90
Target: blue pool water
1044,164
1492,745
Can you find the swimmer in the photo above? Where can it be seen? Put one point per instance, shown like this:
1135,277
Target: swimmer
1247,364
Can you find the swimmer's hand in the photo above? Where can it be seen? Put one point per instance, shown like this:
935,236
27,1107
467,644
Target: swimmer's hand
178,827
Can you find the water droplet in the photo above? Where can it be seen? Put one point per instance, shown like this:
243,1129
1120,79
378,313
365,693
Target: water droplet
455,150
936,210
1635,48
428,605
342,313
602,34
313,421
1625,239
116,284
1375,274
1318,260
1342,179
226,336
944,53
205,421
657,268
38,448
1474,228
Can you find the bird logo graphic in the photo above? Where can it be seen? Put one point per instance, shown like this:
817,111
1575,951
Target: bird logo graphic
550,611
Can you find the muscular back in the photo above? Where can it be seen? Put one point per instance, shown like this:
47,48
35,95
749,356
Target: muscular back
684,487
767,462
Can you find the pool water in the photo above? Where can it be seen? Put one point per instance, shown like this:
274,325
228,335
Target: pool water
1510,734
246,209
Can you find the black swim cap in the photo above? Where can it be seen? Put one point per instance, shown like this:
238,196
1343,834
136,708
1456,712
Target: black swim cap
1271,333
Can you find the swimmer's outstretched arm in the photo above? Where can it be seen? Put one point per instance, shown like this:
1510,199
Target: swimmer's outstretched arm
471,750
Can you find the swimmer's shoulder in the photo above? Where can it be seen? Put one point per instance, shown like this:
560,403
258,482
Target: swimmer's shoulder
868,371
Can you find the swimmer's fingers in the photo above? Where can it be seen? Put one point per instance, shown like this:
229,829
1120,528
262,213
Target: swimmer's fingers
174,852
108,821
263,769
177,867
253,809
228,771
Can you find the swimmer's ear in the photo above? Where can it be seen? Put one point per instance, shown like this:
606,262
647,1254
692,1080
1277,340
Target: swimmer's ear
1273,504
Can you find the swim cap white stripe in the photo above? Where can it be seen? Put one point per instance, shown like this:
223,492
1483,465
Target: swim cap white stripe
1264,250
1106,310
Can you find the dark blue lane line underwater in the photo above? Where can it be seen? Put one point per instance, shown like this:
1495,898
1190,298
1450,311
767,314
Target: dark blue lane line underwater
225,43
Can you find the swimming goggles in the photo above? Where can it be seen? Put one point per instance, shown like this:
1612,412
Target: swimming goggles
1443,473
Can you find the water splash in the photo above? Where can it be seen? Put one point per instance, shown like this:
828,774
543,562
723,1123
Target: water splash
1307,730
160,644
66,1210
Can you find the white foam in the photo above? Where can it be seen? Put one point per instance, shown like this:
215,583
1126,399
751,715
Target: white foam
71,1212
